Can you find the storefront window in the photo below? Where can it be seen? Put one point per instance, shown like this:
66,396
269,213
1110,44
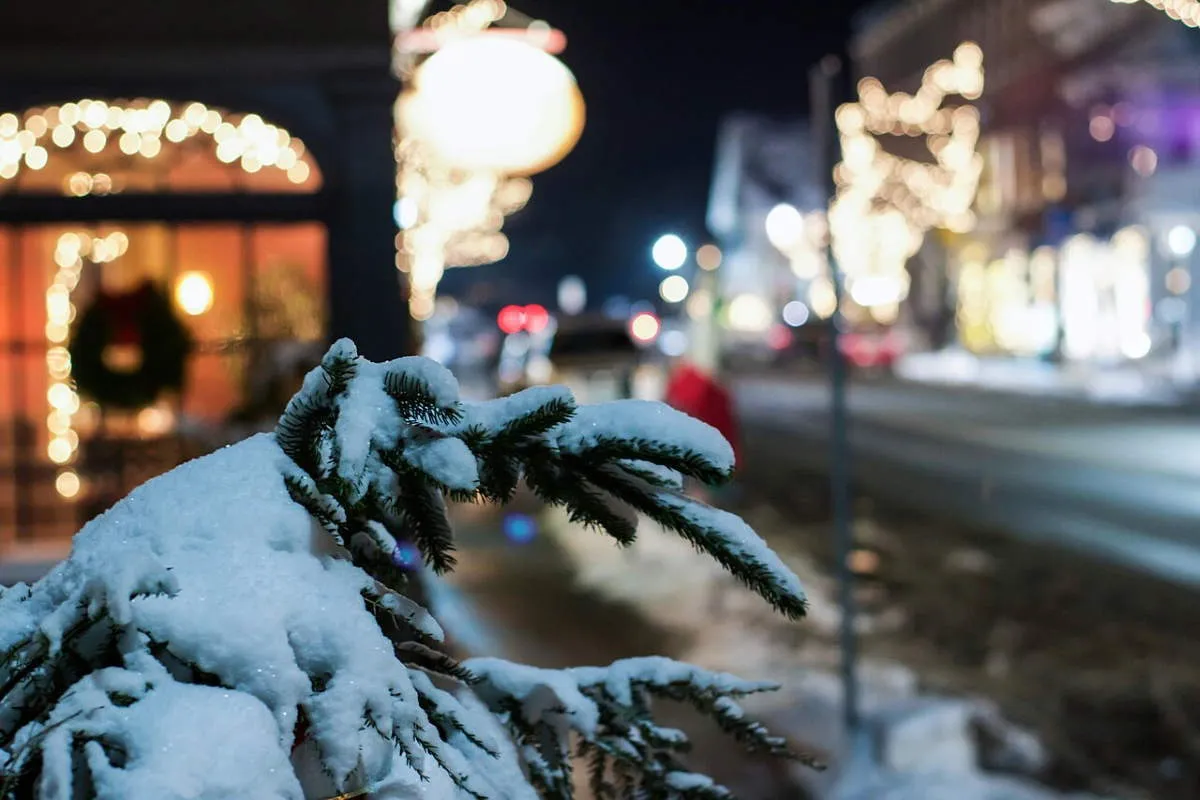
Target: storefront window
242,290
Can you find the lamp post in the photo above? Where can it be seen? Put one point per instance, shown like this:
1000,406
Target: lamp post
822,80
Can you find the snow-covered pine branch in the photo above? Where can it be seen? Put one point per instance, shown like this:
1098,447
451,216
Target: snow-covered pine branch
240,625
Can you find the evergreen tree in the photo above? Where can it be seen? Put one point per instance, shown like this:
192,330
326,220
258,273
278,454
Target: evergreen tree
239,627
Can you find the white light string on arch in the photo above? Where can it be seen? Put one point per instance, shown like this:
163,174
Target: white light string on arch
885,204
134,130
138,129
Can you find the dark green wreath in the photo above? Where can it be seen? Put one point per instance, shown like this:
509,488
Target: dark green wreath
158,331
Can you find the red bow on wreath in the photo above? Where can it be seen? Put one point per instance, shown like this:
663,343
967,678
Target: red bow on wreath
123,313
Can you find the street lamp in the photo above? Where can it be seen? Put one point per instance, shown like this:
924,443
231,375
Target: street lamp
1181,241
669,252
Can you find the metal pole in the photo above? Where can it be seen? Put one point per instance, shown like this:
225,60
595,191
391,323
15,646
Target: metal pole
825,145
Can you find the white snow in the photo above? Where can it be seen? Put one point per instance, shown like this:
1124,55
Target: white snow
648,420
540,691
447,460
367,421
688,781
176,741
216,575
250,603
739,538
494,415
620,678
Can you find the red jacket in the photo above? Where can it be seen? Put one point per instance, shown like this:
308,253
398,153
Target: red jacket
698,394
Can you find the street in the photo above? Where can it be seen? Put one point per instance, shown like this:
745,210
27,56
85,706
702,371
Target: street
1120,483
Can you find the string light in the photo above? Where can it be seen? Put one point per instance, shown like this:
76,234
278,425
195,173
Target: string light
886,204
452,217
137,130
1185,11
70,251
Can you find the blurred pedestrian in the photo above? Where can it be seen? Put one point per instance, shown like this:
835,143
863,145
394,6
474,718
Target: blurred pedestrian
697,392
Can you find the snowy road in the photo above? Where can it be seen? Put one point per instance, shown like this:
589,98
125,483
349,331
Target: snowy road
1119,483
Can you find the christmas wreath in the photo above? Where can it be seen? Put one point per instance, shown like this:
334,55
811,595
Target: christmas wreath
129,348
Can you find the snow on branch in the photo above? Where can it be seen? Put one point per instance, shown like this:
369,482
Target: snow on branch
242,626
609,709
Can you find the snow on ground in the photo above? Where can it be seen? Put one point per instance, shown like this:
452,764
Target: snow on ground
733,630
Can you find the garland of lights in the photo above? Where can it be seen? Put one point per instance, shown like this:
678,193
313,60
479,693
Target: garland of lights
885,204
138,129
449,217
128,349
1185,11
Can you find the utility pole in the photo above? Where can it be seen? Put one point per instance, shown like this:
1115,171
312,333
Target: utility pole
823,80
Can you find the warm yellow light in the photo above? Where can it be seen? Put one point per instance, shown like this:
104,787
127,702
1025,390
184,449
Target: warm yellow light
59,450
674,288
194,293
36,157
94,141
154,421
62,397
750,313
67,484
644,327
495,104
821,298
298,172
58,422
421,306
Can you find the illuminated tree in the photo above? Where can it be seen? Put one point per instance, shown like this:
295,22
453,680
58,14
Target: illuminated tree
885,203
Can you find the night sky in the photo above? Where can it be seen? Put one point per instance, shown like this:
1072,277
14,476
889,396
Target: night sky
657,76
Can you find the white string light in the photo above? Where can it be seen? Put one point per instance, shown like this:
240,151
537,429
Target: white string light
70,251
459,213
1185,11
885,204
137,130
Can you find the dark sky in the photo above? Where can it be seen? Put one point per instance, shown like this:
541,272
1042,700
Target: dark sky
656,75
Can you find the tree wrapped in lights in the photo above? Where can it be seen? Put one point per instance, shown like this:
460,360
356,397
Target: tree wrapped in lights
239,626
482,113
885,204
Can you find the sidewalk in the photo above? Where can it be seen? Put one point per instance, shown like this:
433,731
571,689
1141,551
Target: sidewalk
918,747
1135,383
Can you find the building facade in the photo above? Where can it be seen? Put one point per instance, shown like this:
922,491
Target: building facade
764,207
240,154
1085,231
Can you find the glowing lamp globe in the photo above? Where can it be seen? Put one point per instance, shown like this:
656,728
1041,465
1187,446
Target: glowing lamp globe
502,105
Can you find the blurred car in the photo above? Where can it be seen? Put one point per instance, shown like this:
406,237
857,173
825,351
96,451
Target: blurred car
873,349
596,357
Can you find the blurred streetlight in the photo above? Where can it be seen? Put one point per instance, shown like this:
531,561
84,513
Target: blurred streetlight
709,257
572,294
795,314
669,252
785,226
674,288
1181,241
